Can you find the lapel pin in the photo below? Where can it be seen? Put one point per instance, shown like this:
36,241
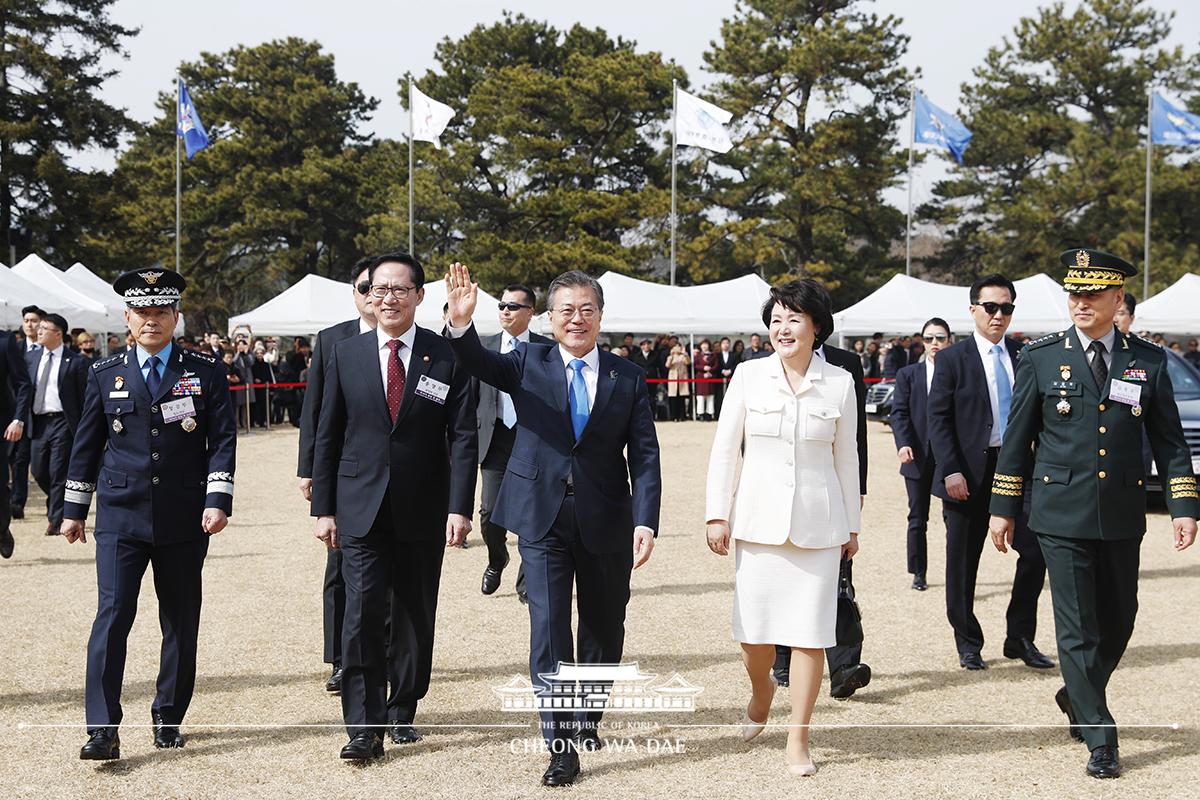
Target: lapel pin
117,426
612,373
188,424
425,359
1137,411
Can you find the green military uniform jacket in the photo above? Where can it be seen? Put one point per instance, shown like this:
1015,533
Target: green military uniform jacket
1088,475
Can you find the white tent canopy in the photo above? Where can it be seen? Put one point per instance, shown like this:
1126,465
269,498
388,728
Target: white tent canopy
17,292
903,304
1174,310
636,306
57,292
314,303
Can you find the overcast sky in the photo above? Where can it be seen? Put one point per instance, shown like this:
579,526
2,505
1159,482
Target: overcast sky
376,42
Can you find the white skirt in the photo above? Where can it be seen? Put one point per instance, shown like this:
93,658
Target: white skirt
785,594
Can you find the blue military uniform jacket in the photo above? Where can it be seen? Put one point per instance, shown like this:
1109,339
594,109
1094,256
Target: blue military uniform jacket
153,478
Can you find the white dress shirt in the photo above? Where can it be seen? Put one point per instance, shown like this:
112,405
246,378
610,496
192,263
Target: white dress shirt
363,327
1108,340
406,342
52,403
506,346
591,372
929,376
989,369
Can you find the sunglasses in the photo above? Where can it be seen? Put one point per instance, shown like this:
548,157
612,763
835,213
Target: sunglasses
511,306
935,337
1004,308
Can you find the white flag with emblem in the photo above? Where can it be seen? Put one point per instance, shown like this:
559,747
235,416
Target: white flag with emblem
700,123
429,117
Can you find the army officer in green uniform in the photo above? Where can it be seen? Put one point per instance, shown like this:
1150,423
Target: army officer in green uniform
1084,397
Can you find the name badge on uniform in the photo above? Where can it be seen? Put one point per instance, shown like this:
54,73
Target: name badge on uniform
178,409
1128,393
432,389
118,395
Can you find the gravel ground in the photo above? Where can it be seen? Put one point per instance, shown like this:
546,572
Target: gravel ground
261,724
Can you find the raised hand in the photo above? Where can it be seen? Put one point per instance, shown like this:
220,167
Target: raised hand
461,295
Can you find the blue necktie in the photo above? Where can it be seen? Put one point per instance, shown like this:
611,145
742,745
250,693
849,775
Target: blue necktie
1003,388
578,397
153,379
508,412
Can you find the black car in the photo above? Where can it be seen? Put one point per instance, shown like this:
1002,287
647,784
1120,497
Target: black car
879,400
1185,380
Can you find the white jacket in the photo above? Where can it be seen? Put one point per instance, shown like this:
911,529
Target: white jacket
800,452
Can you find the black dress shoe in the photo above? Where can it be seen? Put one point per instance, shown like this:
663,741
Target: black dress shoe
334,684
403,732
1027,651
1104,762
849,679
491,580
781,676
919,582
563,769
588,740
165,736
523,597
18,512
6,543
971,660
103,744
52,529
1064,705
363,746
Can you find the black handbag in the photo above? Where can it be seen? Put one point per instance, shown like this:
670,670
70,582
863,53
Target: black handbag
849,618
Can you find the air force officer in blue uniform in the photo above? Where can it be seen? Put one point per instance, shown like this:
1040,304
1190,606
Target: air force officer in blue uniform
155,444
566,489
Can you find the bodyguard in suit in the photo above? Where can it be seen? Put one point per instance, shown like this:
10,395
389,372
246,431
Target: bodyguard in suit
19,455
727,364
16,393
58,375
333,592
497,419
156,444
969,403
393,484
910,404
566,492
847,672
1085,397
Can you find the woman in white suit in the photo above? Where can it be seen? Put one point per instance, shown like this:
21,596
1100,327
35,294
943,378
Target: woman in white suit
792,419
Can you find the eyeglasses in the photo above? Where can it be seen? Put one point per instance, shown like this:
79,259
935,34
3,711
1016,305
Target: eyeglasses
398,292
567,313
1004,308
935,337
511,306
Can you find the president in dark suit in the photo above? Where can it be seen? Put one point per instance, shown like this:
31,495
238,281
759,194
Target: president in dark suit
969,403
497,419
566,492
59,376
16,393
909,421
334,588
393,485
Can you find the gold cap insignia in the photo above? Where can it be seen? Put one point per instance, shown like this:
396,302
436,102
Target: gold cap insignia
150,278
1082,259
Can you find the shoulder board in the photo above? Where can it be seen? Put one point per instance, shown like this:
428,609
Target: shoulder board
108,362
199,356
1044,340
1135,339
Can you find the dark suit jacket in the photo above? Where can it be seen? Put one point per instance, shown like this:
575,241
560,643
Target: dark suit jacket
897,359
727,361
960,416
649,364
546,451
487,397
910,415
72,381
853,364
321,354
425,462
16,390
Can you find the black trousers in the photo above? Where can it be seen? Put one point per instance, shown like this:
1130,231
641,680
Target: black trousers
492,471
1093,586
121,562
50,453
381,572
5,493
966,535
18,460
918,520
837,657
554,565
333,595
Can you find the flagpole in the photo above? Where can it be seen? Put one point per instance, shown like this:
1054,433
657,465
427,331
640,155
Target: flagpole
410,166
1149,152
178,178
674,126
912,134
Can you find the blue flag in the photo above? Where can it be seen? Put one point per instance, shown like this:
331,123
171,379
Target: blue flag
1170,124
939,128
189,126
